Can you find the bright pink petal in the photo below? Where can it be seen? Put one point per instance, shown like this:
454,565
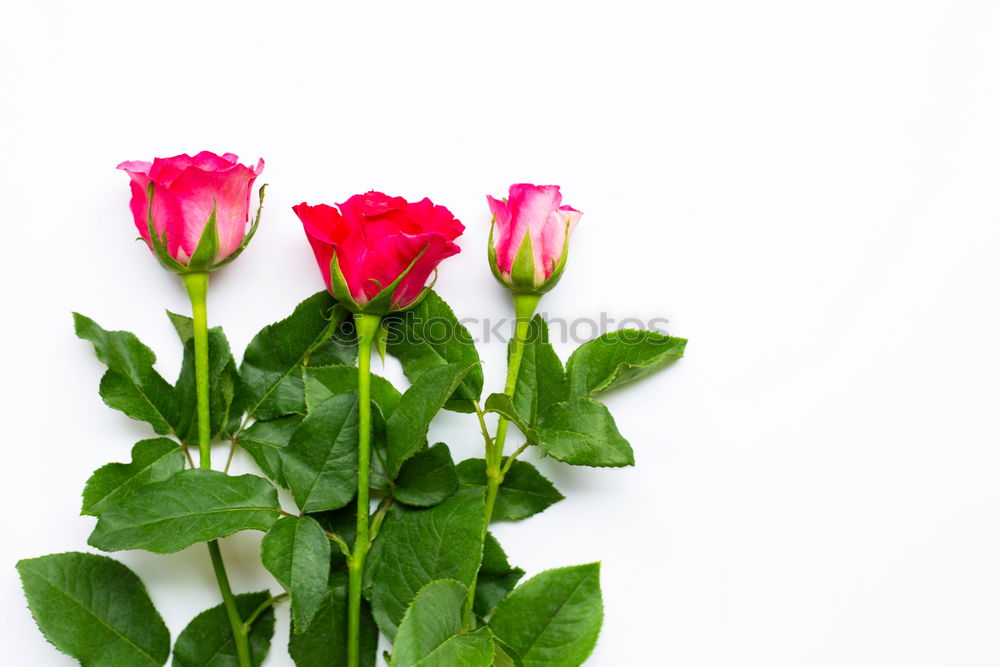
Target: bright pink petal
573,215
532,205
535,210
198,193
134,167
209,161
139,205
185,191
164,170
508,233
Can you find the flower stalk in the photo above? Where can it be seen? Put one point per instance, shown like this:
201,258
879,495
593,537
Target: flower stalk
524,309
367,327
196,285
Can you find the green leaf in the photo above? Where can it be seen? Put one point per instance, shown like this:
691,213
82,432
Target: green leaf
94,609
207,641
523,492
322,382
273,362
266,442
379,478
192,506
321,460
324,643
152,461
541,380
618,357
406,427
130,384
428,478
502,658
582,432
496,577
443,542
429,336
553,619
504,406
431,632
395,511
297,552
223,378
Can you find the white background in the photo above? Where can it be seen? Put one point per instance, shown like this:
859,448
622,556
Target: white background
807,190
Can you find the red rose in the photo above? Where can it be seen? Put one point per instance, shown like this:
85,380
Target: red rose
376,241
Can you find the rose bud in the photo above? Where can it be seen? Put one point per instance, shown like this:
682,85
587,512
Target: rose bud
529,237
376,252
193,211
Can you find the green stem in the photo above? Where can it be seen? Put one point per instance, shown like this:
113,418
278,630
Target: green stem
513,457
482,427
270,602
197,289
341,544
367,328
524,308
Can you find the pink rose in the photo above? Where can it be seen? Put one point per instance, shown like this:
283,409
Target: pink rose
529,237
378,240
186,190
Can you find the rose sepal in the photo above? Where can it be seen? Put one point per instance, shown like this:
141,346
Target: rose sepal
522,271
381,304
491,253
208,247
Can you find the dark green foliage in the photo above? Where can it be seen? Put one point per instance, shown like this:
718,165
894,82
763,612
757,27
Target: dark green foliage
541,380
553,619
523,492
325,642
431,635
272,364
583,432
224,384
443,542
297,552
406,427
152,461
320,463
618,357
94,609
207,641
191,506
131,384
429,336
428,478
497,577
